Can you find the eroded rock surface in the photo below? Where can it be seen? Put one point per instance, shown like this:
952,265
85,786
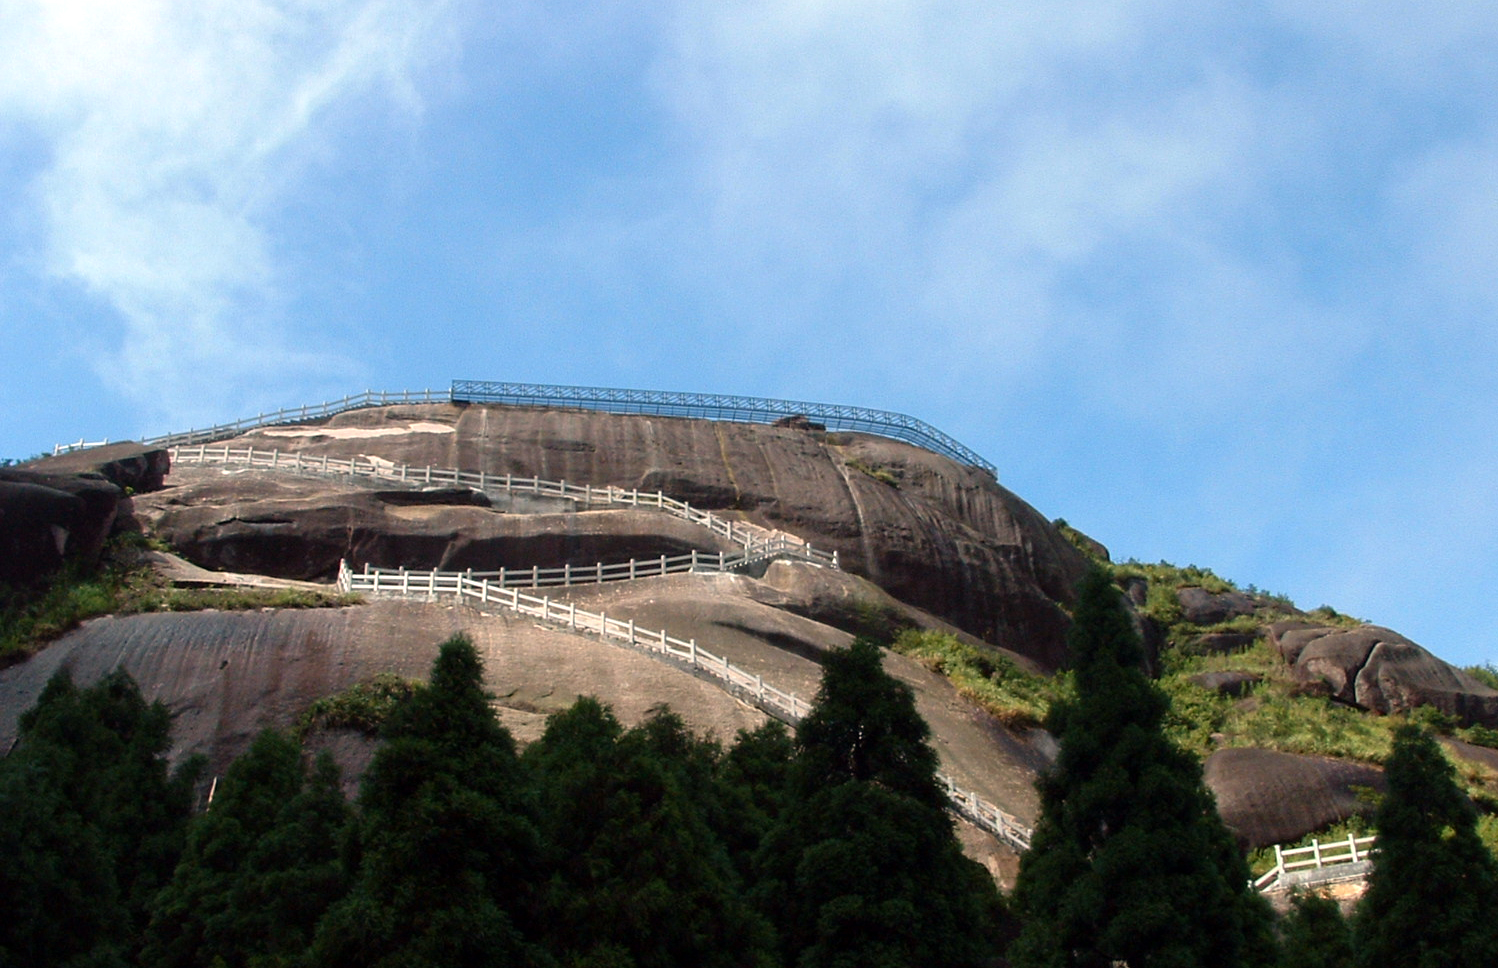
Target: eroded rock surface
940,536
1267,797
1201,607
63,508
1381,670
301,527
131,467
227,675
46,519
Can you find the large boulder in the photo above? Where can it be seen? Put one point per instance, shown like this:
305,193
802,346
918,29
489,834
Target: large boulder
1201,607
133,468
1267,797
1381,670
934,533
47,519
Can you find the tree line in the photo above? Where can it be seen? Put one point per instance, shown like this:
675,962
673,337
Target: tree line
601,846
598,845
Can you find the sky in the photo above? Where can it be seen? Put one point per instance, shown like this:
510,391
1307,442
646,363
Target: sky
1213,282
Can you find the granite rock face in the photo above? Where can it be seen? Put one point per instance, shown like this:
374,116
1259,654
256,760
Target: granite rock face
47,519
1267,797
131,467
300,528
1380,670
64,508
1201,607
935,534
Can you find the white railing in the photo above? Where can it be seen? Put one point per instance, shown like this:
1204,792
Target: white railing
79,444
750,537
566,576
292,415
781,704
1353,850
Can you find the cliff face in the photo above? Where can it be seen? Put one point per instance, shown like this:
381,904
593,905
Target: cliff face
935,534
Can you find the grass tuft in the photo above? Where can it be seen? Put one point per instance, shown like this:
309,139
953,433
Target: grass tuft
996,683
363,706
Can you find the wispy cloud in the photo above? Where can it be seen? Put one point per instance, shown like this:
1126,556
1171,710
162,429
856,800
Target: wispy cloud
175,126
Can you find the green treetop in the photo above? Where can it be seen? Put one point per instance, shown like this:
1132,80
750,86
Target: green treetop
1130,861
1433,892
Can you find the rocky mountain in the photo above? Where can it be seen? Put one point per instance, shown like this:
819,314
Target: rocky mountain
920,540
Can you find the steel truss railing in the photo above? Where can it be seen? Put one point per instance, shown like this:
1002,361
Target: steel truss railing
717,406
295,415
709,406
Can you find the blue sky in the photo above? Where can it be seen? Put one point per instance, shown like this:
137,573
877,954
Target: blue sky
1216,283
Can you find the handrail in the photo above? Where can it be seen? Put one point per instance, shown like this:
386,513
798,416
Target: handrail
79,444
711,406
752,687
1353,850
294,415
566,576
750,537
717,406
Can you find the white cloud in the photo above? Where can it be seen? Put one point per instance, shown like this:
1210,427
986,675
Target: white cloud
174,125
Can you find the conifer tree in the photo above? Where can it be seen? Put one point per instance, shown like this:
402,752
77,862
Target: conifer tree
447,843
91,823
260,868
1130,861
1432,899
640,877
755,780
863,868
1314,934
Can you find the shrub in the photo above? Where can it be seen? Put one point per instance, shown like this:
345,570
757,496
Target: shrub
992,680
363,706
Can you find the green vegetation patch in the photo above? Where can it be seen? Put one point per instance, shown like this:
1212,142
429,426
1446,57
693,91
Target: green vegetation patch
881,474
995,682
363,706
1485,674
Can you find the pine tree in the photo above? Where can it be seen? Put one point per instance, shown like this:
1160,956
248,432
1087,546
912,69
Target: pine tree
864,726
1314,934
1433,891
91,823
447,844
863,867
755,780
260,868
1130,861
640,877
